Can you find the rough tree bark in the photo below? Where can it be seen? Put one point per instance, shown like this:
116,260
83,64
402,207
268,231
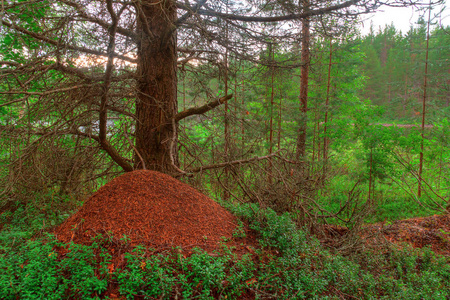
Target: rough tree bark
157,86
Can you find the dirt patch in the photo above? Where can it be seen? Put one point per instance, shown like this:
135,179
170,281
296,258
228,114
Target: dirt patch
432,231
152,209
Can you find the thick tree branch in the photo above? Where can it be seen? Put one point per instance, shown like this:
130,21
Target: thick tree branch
194,111
226,164
290,17
104,99
201,109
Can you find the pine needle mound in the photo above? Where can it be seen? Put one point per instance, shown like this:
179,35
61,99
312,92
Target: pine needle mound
152,209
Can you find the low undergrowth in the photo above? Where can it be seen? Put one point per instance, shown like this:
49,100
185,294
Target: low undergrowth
289,264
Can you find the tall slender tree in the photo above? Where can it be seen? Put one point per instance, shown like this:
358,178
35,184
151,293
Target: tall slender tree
303,97
424,98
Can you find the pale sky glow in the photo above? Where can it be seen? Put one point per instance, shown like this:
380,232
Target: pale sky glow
402,18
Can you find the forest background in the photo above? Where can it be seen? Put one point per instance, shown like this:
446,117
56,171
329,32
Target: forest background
365,99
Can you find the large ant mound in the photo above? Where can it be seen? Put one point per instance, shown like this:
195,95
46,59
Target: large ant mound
152,209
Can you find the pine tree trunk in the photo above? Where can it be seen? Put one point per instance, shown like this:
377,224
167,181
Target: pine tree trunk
244,114
279,118
419,188
303,97
327,102
272,77
370,175
226,194
156,87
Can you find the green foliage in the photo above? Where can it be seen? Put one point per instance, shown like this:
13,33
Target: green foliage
204,272
307,271
372,82
143,276
200,275
31,273
36,270
22,221
239,231
83,264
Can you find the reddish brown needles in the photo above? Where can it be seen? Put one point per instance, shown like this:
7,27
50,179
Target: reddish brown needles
149,208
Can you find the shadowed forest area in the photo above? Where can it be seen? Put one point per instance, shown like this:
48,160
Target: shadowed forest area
260,149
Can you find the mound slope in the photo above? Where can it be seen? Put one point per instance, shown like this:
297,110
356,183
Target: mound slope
150,208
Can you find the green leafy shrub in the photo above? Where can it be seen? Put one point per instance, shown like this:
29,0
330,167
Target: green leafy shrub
31,272
149,277
290,264
35,270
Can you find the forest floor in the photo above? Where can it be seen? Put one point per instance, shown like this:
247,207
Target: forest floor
162,212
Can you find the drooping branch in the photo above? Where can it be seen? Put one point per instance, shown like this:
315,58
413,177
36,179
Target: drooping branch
45,39
9,63
39,132
190,12
82,12
44,93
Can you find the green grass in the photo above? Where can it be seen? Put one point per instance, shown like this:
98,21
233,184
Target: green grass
389,203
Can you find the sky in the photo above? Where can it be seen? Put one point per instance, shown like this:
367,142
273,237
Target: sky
402,18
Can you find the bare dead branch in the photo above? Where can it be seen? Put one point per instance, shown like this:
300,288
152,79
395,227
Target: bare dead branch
190,12
227,164
134,148
172,145
44,93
